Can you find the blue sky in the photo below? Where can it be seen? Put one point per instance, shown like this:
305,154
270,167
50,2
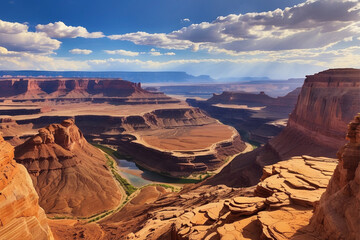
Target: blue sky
221,38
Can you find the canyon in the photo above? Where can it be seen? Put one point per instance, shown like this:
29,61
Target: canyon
143,124
294,186
257,117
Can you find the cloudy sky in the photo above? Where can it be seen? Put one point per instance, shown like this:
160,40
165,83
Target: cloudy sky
222,38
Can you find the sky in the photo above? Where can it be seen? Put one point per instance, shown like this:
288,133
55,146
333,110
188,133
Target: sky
279,39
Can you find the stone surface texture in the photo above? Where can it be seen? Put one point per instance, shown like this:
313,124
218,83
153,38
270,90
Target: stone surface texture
69,174
21,217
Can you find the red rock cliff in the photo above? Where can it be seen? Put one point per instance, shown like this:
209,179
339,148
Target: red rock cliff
338,214
32,88
69,174
327,102
21,217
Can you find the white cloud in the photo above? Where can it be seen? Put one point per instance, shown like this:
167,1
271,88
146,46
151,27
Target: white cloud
16,37
170,54
161,40
152,53
185,20
122,52
60,30
22,60
80,51
12,27
312,24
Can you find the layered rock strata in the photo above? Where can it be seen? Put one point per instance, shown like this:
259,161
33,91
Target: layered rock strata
81,89
337,216
69,174
21,217
327,103
277,208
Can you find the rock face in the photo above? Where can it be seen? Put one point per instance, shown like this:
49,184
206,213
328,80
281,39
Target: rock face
21,217
86,89
337,216
68,173
281,205
327,103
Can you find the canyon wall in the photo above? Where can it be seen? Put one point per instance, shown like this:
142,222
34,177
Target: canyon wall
327,103
337,216
69,174
72,88
21,217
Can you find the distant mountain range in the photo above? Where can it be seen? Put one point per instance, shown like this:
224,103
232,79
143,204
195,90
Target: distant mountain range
143,77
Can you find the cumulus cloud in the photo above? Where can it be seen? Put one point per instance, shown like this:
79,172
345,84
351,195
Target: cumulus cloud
170,54
16,37
122,52
185,20
80,51
312,24
161,40
60,30
23,60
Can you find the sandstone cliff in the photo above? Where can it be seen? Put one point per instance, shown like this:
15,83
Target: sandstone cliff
21,217
74,88
337,216
327,103
68,173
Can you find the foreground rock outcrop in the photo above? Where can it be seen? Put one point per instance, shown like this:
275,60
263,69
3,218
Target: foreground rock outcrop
21,217
69,174
337,216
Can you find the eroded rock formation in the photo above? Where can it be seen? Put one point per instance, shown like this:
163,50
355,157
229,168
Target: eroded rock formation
68,173
337,216
327,103
82,89
21,217
258,117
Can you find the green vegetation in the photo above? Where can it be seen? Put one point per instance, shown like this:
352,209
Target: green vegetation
112,152
128,188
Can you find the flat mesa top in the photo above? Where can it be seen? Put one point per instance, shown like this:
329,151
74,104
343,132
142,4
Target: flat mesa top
57,78
99,109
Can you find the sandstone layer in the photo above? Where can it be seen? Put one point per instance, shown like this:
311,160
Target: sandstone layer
69,174
337,216
78,89
21,217
279,207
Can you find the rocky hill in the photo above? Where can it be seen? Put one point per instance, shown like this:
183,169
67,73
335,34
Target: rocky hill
69,174
21,217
